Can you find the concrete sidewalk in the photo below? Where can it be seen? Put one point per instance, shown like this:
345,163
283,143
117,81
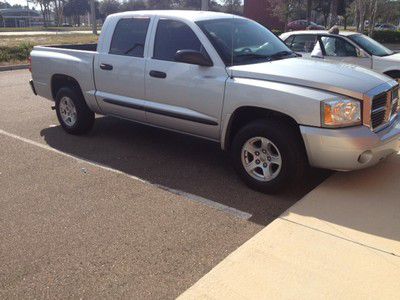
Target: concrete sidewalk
340,241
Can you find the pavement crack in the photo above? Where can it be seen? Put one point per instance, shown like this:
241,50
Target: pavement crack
342,238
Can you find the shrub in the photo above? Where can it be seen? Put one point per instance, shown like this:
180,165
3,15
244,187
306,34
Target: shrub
277,32
15,53
387,36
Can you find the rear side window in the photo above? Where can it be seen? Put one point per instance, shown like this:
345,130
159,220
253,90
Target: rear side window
172,36
304,43
129,37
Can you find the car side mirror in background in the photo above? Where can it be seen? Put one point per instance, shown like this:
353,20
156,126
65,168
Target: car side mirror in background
193,57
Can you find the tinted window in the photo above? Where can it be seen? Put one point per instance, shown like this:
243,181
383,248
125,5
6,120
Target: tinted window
304,43
129,37
338,47
172,36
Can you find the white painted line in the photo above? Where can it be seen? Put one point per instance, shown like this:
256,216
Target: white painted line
224,208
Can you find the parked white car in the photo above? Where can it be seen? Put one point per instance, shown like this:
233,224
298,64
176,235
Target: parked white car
226,79
348,47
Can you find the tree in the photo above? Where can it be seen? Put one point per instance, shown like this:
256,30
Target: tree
75,9
133,5
334,11
233,6
160,4
324,8
309,4
191,4
59,10
287,9
45,8
4,5
108,7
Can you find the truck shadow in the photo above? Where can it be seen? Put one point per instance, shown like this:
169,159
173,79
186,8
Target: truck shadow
177,162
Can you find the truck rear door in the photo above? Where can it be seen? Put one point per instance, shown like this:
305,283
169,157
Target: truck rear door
119,69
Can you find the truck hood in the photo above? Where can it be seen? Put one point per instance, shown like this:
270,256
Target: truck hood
390,58
339,78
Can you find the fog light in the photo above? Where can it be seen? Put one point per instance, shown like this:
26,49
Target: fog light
365,157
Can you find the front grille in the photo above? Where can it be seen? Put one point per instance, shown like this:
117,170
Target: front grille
383,107
395,101
378,118
378,113
379,101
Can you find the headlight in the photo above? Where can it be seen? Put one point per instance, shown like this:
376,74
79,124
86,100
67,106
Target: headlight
340,113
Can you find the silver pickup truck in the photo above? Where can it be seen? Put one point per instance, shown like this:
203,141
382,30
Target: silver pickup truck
229,80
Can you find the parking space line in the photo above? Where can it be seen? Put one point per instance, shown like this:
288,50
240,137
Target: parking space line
210,203
215,205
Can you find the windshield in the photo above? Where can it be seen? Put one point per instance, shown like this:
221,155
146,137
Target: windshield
370,45
242,41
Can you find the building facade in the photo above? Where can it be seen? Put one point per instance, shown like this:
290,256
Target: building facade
20,17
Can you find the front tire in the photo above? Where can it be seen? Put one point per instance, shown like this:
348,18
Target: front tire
72,111
268,155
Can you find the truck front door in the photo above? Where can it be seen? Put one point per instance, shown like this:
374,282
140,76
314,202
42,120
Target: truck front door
182,96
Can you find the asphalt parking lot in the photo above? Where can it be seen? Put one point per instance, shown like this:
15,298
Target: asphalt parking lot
126,211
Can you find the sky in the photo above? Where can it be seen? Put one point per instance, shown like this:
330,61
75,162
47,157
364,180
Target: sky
12,2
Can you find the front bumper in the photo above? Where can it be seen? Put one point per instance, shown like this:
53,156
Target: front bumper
350,148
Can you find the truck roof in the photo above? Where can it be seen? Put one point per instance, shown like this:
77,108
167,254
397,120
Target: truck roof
190,15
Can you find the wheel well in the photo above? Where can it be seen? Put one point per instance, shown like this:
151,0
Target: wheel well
244,115
59,81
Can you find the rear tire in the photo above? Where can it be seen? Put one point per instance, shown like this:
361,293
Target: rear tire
268,155
72,111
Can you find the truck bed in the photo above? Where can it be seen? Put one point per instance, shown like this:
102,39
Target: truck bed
84,47
72,61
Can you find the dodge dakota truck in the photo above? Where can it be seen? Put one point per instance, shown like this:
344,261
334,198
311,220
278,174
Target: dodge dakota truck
229,80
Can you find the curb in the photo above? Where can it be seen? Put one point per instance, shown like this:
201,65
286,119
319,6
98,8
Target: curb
16,67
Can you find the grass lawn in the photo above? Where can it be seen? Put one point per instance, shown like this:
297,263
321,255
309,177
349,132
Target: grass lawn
16,49
19,29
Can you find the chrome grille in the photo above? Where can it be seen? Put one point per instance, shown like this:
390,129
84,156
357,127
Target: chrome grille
395,101
384,108
378,113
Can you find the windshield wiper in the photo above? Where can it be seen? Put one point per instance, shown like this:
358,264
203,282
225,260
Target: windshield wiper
282,54
252,55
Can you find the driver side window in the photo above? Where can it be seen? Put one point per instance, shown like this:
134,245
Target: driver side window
338,47
172,36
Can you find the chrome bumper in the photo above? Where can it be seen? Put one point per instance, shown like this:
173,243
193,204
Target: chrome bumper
350,148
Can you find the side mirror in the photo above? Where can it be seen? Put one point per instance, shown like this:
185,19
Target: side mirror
193,57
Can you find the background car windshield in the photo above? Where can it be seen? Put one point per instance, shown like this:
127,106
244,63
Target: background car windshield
242,41
370,45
